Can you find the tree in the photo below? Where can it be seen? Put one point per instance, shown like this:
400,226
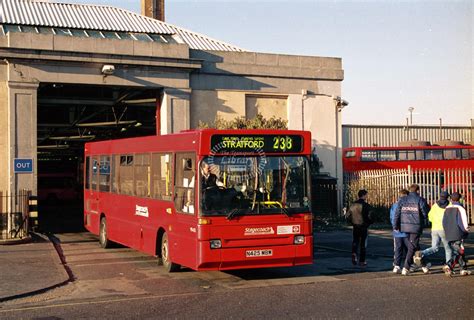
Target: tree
259,122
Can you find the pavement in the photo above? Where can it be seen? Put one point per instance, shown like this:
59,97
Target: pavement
27,269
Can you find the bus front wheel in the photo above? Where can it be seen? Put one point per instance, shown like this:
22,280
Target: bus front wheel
165,255
103,239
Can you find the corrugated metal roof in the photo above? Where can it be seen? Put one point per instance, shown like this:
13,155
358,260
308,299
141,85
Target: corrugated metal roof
391,136
98,17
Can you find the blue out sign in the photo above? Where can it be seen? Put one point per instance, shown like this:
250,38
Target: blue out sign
23,165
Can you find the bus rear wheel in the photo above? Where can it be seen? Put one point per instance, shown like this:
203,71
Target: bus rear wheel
104,242
165,255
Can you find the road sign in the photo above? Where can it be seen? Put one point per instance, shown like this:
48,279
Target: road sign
23,165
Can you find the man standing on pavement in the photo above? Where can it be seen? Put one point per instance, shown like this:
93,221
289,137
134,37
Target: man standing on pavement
398,237
359,216
410,215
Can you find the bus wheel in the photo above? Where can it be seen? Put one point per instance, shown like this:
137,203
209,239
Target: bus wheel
104,242
165,257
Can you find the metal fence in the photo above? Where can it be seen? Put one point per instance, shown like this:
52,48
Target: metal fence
383,185
14,215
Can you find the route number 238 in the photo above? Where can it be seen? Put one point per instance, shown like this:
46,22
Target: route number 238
282,143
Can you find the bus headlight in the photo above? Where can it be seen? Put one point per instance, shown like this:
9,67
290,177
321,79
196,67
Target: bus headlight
298,240
216,244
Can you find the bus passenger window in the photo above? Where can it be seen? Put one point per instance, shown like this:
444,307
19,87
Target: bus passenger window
420,155
126,175
88,174
451,154
369,155
387,155
185,182
406,155
350,154
95,171
115,173
142,175
433,154
104,174
161,176
471,154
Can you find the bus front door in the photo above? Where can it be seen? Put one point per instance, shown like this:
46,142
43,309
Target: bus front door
184,235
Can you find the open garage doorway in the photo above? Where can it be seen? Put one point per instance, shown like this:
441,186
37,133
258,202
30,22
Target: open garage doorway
68,117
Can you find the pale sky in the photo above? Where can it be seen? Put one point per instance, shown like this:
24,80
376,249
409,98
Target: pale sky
395,54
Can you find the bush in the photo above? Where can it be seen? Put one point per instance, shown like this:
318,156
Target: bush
259,122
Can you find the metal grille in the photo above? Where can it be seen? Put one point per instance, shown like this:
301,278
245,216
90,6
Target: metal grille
14,215
98,17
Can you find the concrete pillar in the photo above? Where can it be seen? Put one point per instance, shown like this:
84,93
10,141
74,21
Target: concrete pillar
175,110
18,138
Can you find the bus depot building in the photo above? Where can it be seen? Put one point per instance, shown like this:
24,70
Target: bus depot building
72,73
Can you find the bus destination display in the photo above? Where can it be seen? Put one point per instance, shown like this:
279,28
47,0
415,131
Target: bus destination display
256,143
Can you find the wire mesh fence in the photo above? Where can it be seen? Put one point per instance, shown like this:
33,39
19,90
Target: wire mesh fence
14,214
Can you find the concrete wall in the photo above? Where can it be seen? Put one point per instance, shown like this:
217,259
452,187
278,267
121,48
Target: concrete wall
197,85
230,82
18,133
62,59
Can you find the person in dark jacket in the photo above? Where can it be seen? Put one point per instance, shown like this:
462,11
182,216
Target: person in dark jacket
359,216
410,216
456,230
398,237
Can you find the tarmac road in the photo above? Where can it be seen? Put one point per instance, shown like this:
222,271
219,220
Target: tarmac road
124,284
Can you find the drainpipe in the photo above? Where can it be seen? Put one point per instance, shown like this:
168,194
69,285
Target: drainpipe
158,114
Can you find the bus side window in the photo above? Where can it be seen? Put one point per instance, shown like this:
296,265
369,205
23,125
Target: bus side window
404,155
369,155
185,168
126,175
104,173
95,172
88,173
433,154
115,173
161,176
451,154
350,154
142,175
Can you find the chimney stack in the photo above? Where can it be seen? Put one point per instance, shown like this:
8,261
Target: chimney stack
154,9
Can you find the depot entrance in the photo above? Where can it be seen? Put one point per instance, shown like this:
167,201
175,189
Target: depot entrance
68,117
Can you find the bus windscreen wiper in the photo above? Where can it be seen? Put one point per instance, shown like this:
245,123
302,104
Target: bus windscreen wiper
232,213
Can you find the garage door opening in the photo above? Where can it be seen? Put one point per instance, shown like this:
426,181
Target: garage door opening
68,117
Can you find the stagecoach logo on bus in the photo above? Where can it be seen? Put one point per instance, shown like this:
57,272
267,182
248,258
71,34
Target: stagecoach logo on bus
258,231
141,211
252,144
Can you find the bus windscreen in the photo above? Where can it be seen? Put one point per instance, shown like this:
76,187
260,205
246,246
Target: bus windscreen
247,185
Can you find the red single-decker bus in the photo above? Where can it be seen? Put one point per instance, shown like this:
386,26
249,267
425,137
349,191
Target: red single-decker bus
204,199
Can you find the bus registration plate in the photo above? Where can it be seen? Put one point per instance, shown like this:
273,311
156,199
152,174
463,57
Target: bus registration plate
258,253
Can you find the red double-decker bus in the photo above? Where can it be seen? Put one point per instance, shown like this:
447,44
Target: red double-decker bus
423,157
205,199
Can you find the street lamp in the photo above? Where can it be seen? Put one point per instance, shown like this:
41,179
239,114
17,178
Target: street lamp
411,115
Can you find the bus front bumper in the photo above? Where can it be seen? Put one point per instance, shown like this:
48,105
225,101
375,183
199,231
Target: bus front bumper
254,257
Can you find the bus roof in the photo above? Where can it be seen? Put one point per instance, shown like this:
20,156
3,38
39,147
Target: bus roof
186,140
